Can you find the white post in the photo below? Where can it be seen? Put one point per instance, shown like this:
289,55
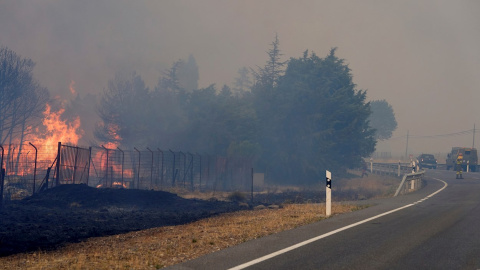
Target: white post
328,201
398,174
371,165
468,161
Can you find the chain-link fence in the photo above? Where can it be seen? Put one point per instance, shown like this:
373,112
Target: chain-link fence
28,169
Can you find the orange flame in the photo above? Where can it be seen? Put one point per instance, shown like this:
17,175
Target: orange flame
57,130
45,140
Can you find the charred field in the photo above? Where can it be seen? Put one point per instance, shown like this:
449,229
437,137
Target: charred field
72,213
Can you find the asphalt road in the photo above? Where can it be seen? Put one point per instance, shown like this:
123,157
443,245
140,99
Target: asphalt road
437,227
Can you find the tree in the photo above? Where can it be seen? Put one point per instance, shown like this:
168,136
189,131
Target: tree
123,111
320,120
382,119
182,76
264,92
22,98
242,83
189,74
83,106
215,121
267,77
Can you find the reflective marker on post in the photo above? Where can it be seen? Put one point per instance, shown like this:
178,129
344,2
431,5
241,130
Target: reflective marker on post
328,201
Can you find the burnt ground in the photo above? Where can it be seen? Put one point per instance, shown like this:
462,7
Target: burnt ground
71,213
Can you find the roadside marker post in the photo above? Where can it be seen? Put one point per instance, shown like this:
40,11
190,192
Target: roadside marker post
328,201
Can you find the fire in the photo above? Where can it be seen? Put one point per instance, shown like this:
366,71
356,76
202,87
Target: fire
115,184
45,140
57,130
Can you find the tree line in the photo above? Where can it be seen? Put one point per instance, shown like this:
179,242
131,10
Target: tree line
293,118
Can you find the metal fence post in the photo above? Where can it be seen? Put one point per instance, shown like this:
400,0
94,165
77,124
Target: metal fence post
57,179
123,159
173,168
200,171
151,170
75,165
184,165
106,169
138,171
35,168
161,177
89,159
2,176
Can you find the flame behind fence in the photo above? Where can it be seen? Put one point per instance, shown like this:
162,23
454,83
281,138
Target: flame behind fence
30,168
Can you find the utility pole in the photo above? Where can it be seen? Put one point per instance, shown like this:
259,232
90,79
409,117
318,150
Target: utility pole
406,148
473,144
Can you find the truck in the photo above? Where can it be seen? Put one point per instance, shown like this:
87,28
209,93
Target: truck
470,158
427,161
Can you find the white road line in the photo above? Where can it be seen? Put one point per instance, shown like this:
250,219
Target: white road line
306,242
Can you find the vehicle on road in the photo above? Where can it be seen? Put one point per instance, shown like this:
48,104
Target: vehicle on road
427,161
470,158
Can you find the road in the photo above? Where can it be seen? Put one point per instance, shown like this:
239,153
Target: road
437,227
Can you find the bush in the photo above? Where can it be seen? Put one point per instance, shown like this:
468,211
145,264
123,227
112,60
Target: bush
236,196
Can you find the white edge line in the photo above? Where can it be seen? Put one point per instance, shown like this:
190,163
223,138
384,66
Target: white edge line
306,242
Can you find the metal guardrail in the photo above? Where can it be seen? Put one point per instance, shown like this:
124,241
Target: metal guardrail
393,169
410,182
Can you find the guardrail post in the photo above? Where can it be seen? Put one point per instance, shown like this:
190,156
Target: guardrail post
398,174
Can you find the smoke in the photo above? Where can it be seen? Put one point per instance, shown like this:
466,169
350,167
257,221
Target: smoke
421,56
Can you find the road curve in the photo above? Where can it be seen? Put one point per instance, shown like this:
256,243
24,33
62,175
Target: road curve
436,227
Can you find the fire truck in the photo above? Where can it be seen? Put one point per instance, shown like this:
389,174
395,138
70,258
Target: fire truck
470,158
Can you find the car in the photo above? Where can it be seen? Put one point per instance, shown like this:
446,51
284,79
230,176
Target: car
427,161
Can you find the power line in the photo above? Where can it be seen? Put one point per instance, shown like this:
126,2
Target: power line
465,132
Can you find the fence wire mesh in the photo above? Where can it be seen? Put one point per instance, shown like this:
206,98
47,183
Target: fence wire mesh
29,168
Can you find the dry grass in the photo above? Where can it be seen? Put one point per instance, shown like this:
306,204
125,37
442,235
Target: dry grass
160,247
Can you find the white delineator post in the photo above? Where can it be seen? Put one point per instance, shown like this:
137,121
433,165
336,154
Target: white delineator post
328,201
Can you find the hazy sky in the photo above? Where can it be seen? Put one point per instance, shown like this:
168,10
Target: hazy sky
422,56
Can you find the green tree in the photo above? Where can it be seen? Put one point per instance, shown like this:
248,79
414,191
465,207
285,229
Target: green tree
182,76
123,111
189,74
320,121
267,77
382,119
242,83
218,120
264,93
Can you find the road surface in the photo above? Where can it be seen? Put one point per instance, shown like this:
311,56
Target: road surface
437,227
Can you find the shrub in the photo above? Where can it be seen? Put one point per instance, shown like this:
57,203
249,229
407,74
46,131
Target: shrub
236,196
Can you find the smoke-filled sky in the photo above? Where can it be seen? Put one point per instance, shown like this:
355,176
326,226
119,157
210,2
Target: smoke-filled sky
423,57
